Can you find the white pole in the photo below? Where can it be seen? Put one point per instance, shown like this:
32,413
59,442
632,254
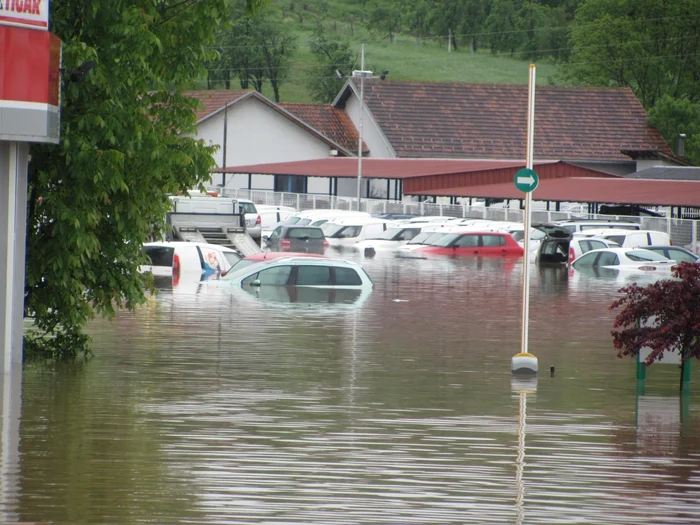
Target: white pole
528,201
359,146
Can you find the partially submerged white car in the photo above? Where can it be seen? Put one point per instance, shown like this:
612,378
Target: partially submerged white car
190,261
389,240
611,261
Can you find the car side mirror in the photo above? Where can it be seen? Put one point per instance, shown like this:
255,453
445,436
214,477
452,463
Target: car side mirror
266,238
256,282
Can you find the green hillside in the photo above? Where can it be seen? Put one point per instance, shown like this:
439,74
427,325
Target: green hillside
426,62
405,56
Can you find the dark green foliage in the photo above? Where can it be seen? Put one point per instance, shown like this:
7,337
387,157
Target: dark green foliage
673,116
651,46
253,48
100,193
662,316
332,55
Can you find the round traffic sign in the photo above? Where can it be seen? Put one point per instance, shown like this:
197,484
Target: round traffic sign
526,180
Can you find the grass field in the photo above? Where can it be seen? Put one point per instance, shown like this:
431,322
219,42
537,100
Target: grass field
406,59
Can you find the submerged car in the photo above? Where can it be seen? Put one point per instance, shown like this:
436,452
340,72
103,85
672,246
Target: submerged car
611,261
474,244
306,239
305,279
390,239
561,246
193,261
347,232
676,253
268,257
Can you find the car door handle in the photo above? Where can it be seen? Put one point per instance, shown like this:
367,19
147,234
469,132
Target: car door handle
476,251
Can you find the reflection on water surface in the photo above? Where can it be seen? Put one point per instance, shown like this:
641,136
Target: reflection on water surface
214,407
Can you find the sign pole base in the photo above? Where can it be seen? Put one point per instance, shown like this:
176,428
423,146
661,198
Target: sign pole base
14,158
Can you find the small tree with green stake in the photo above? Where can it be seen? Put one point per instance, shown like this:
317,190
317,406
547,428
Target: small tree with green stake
662,316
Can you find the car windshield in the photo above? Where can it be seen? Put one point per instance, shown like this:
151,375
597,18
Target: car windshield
347,232
518,235
305,233
243,263
617,239
249,207
159,255
330,228
446,240
645,255
421,237
388,235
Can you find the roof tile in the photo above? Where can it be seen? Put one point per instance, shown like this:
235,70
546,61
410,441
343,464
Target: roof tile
329,121
489,121
214,100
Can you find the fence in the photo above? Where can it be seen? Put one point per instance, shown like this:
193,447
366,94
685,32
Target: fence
683,232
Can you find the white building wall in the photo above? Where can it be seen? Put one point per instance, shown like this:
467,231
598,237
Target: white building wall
371,134
258,134
318,185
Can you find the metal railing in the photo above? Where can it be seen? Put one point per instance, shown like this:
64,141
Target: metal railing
683,232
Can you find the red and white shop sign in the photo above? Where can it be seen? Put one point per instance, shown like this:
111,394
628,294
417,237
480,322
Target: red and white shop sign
25,13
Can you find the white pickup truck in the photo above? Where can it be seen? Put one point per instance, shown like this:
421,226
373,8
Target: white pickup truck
217,220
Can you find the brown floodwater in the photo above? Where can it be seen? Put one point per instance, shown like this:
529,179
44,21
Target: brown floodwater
213,407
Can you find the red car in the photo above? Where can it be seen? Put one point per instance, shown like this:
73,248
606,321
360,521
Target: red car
471,243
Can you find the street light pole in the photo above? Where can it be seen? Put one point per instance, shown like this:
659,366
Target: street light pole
361,74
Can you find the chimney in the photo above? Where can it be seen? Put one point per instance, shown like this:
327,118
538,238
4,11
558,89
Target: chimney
681,144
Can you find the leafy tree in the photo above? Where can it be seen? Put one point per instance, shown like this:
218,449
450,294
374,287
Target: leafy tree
503,25
662,316
331,56
238,53
253,48
277,46
673,116
100,193
651,46
386,17
417,17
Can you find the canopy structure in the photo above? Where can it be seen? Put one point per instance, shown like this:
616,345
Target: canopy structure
559,180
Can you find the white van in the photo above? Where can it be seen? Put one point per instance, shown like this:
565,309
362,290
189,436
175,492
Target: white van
271,216
582,225
344,232
633,239
188,261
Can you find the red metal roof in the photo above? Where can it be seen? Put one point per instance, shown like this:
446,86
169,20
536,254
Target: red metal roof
559,181
373,168
584,189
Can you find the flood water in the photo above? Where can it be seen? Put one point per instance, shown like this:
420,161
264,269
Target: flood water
209,407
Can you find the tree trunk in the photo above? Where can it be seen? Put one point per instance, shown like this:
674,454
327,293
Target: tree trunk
276,91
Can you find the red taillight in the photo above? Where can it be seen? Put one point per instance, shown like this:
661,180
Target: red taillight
285,245
258,221
670,242
176,268
572,255
325,243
